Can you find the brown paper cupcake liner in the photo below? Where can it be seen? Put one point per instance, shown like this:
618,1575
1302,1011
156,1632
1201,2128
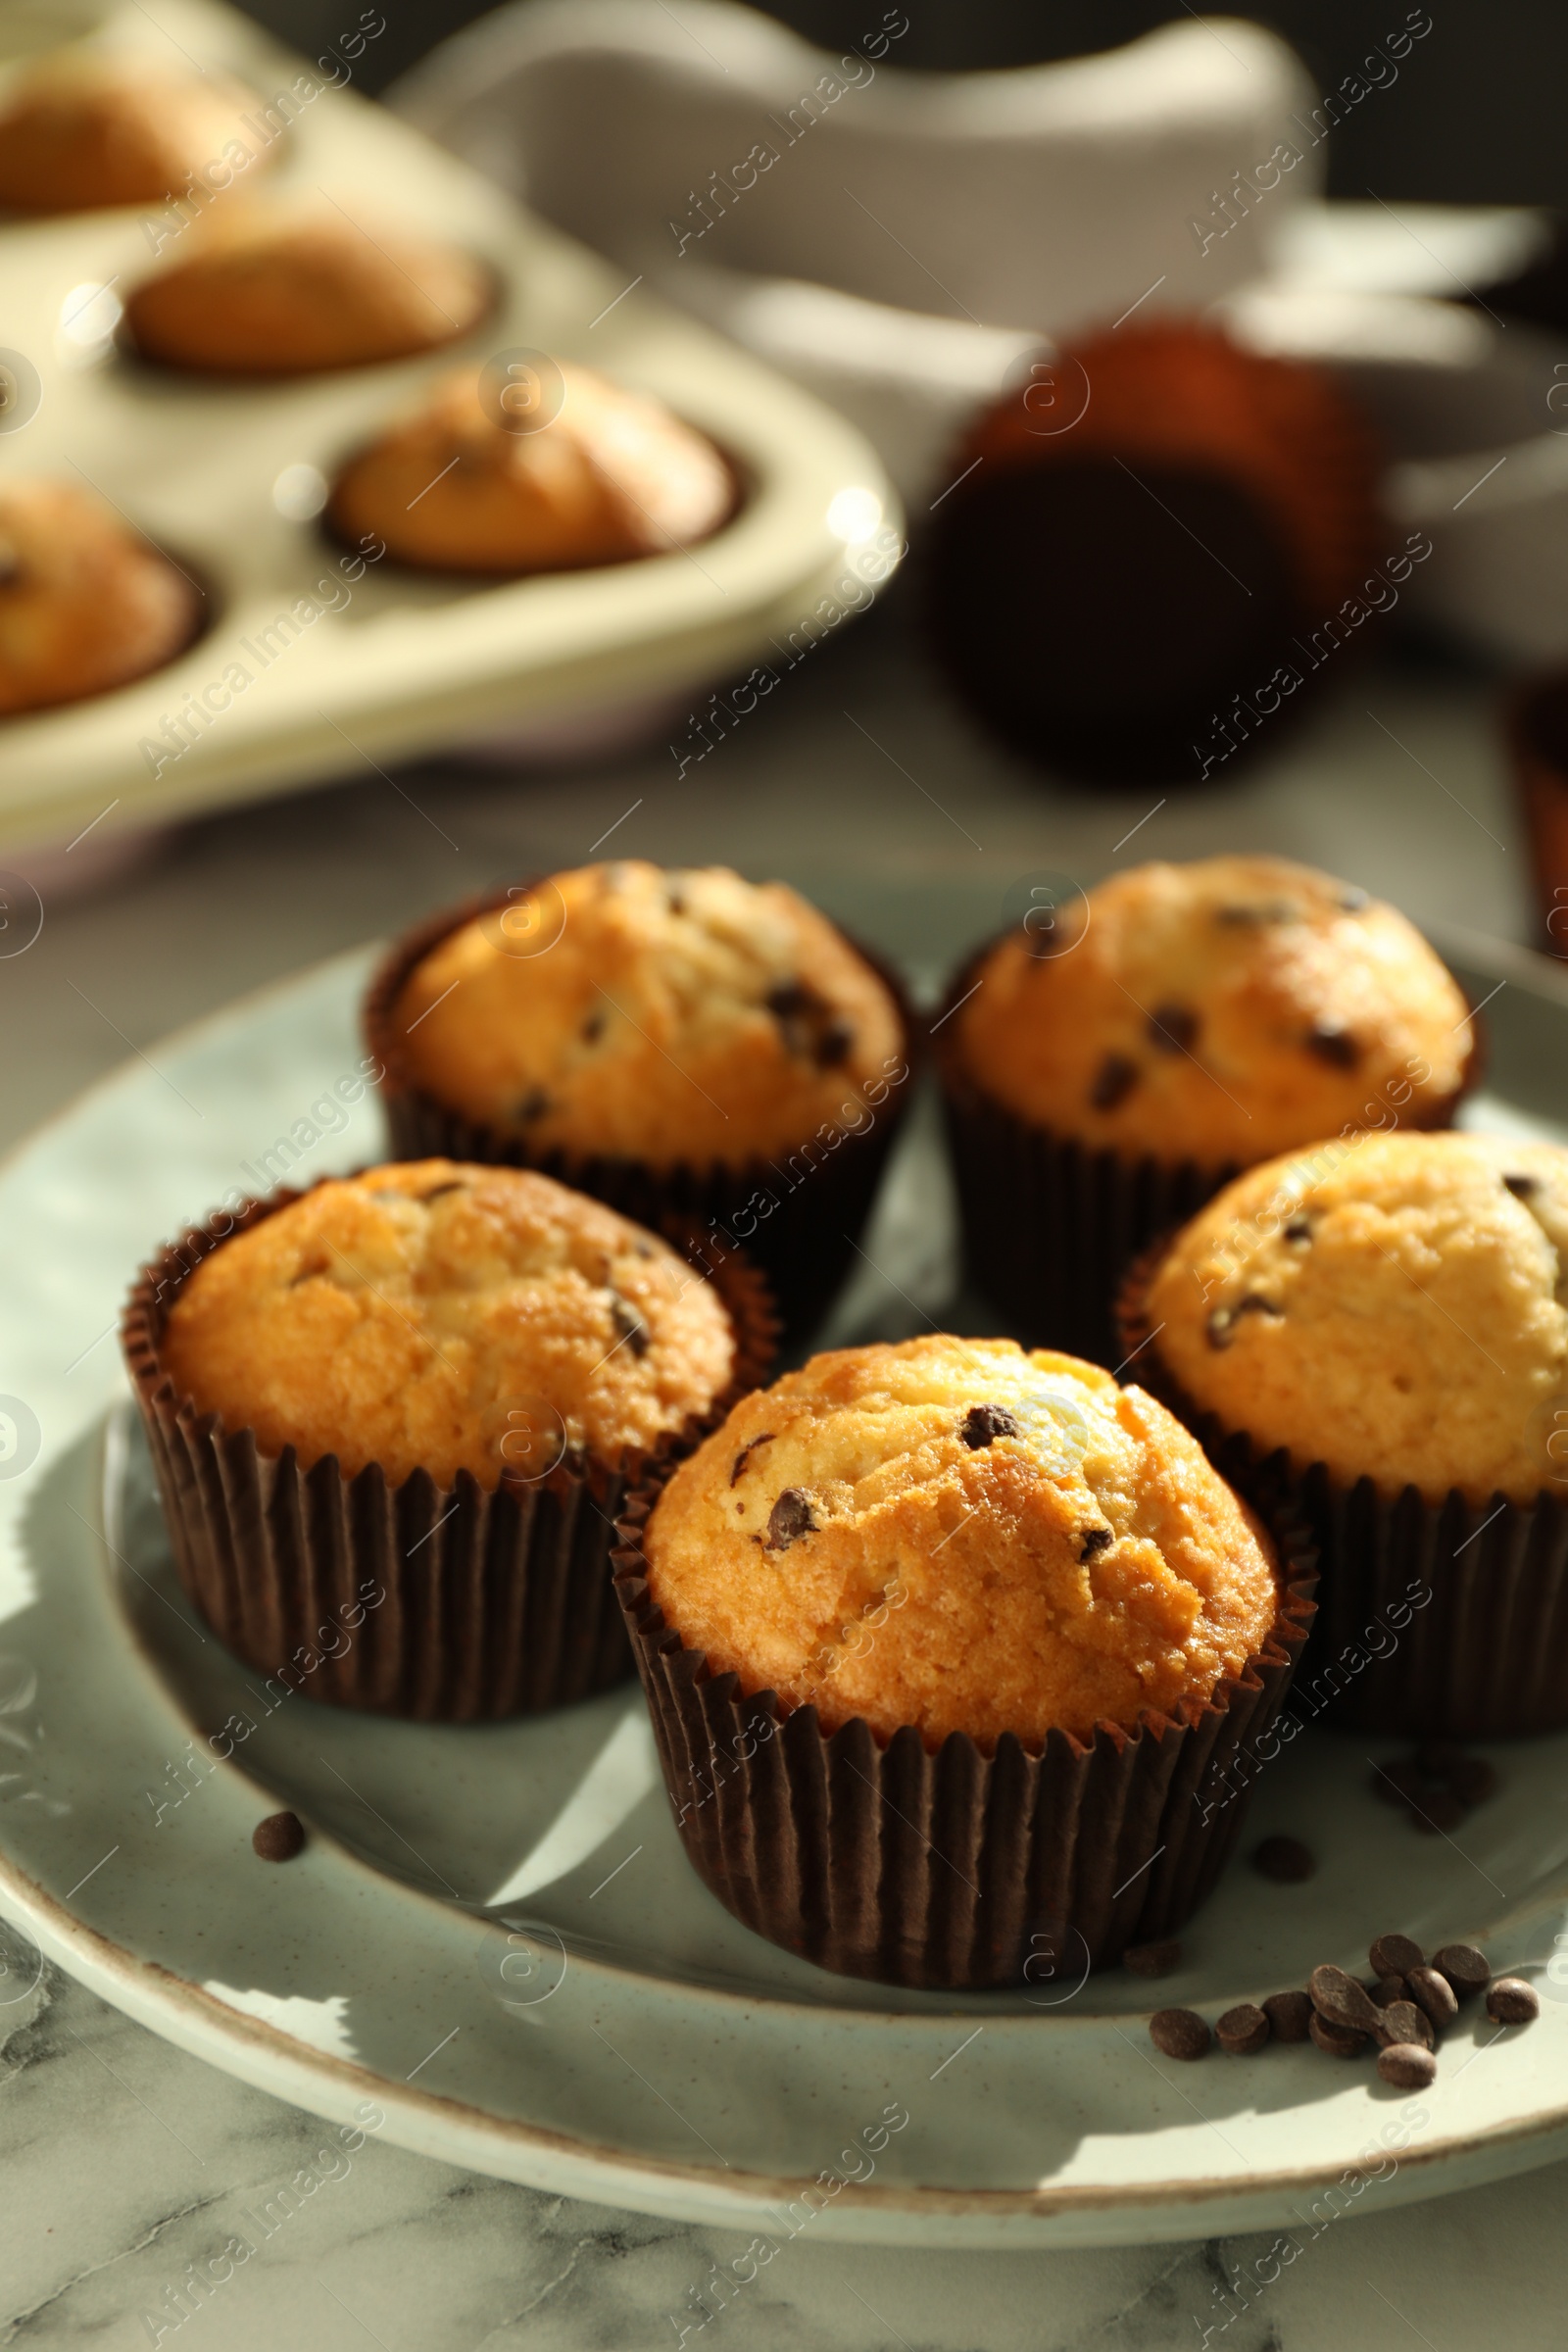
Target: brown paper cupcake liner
450,1604
1049,1224
953,1870
1442,1618
800,1230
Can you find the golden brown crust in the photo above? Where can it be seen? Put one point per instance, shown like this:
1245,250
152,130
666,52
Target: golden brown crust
611,476
1218,1011
85,602
80,131
268,292
632,1012
1394,1306
954,1534
410,1315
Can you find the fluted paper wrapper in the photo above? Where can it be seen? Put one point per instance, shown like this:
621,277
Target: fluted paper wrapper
953,1870
1049,1224
449,1604
803,1243
1434,1619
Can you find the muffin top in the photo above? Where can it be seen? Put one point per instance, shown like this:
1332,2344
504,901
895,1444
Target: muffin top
440,1317
1218,1011
954,1534
1395,1306
462,486
663,1016
86,602
79,130
268,292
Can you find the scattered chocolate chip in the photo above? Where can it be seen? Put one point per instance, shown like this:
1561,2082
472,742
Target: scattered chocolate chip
1300,1229
747,1451
984,1423
1178,2033
1429,1987
1152,1959
1520,1186
593,1028
1465,1969
1405,2066
1510,2001
279,1837
1223,1320
1285,1860
1290,2014
1114,1081
1338,1996
1404,2022
833,1042
1353,899
788,999
534,1103
1243,2029
674,897
1395,1956
436,1190
791,1517
1472,1781
1173,1028
1437,1813
628,1321
1270,910
1338,2042
1096,1540
1333,1042
1387,1990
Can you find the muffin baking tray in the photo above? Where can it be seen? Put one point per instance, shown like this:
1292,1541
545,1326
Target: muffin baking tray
493,1932
227,477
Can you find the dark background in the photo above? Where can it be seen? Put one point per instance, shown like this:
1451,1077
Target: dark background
1476,115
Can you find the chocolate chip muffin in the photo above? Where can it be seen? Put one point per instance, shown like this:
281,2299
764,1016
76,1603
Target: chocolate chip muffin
78,132
269,292
1379,1325
86,604
681,1041
434,1380
609,476
950,1547
1106,1073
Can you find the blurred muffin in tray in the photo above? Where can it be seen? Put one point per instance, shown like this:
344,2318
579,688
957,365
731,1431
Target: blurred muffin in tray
555,470
80,131
269,292
86,602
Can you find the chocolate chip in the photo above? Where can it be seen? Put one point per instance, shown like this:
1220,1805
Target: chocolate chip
1114,1081
1179,2033
1152,1959
788,999
1333,1042
1300,1229
1472,1779
1465,1969
1290,2014
1353,899
1437,1813
1404,2022
1173,1028
1338,2042
279,1837
791,1517
1285,1860
1387,1989
747,1451
1223,1320
1096,1540
1405,2066
1269,911
983,1423
1338,1996
534,1103
593,1028
436,1190
833,1042
1510,2001
1521,1186
674,897
1243,2029
1395,1956
1436,1995
628,1321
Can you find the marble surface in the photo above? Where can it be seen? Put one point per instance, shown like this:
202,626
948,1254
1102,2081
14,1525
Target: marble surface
122,2161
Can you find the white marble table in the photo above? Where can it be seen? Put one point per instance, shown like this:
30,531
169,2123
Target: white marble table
122,2160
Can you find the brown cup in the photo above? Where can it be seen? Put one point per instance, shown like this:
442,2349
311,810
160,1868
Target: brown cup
799,1230
954,1868
450,1604
1445,1618
1537,727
